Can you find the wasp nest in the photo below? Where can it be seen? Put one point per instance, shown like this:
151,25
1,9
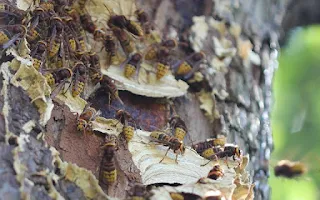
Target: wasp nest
66,51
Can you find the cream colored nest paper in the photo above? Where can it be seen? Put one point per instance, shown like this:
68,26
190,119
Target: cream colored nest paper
146,156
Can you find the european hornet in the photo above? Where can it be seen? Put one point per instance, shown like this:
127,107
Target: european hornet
125,118
124,39
110,46
184,196
84,120
229,150
144,20
289,169
11,13
57,26
77,33
58,76
64,55
79,79
160,53
35,33
147,26
134,28
9,34
60,52
121,21
213,142
56,36
94,69
187,67
174,143
210,153
70,35
39,54
80,37
108,172
89,25
179,127
162,64
132,65
107,84
38,25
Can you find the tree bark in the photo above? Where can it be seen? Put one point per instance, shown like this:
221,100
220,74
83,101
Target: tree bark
26,158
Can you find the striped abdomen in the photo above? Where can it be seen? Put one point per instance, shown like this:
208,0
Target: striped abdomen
108,172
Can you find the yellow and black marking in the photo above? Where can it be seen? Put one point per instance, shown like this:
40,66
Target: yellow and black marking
174,143
162,70
54,49
208,153
108,172
72,43
151,54
37,63
4,37
78,89
184,68
180,133
33,34
50,79
134,28
110,176
129,70
128,132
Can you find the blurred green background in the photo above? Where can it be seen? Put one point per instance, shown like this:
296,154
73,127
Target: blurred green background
296,114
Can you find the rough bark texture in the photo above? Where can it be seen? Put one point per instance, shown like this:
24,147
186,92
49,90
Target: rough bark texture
244,114
35,157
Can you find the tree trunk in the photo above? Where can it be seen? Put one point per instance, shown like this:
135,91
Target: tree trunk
240,93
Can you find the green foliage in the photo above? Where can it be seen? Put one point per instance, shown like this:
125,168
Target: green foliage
296,114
